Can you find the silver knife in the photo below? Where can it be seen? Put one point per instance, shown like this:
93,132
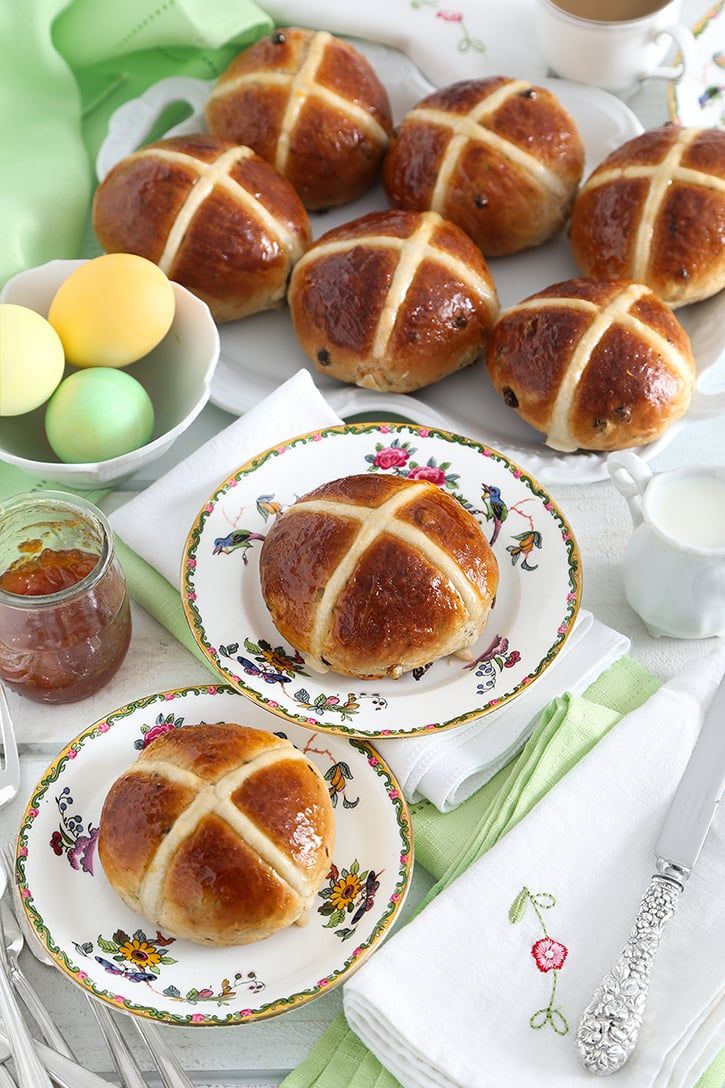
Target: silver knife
610,1024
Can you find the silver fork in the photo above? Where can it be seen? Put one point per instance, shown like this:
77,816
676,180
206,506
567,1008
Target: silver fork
171,1073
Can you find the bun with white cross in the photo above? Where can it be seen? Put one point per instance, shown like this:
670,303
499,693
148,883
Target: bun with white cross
373,576
654,211
311,105
213,215
594,364
498,156
219,834
393,301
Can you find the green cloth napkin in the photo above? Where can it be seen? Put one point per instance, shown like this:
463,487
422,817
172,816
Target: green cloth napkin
447,844
66,66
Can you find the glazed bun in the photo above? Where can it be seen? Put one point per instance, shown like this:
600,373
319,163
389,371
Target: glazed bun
654,211
594,364
500,158
220,834
393,301
312,106
373,576
214,216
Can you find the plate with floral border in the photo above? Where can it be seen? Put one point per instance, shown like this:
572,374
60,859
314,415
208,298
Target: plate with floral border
117,956
536,604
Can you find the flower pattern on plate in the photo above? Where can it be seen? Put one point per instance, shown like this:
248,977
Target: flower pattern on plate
164,723
73,838
347,896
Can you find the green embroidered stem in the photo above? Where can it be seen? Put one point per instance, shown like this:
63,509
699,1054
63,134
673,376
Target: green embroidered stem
538,913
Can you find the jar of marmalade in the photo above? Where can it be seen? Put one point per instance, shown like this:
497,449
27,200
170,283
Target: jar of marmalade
65,620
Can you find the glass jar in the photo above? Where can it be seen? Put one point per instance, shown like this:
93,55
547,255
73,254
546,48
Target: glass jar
59,644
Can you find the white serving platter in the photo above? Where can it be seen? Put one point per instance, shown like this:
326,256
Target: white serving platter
260,352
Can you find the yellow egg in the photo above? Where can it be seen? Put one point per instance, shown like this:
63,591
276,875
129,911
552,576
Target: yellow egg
31,360
112,310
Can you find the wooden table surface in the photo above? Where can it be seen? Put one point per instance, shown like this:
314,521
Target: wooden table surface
260,1055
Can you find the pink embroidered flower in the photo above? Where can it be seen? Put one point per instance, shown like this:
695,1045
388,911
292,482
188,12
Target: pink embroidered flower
451,16
392,457
428,472
157,731
513,659
548,954
198,1018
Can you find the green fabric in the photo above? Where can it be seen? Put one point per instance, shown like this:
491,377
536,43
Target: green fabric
67,65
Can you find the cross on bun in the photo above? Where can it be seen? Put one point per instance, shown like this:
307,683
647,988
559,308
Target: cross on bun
497,156
311,105
654,211
374,575
393,301
212,215
596,364
220,834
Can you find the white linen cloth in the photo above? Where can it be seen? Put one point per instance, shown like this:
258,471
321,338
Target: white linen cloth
447,1002
446,769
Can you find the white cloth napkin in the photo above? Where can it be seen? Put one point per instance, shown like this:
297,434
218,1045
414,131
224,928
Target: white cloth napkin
447,768
447,1003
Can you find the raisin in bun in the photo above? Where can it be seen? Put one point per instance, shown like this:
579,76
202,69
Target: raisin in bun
500,158
654,211
373,575
312,106
594,364
220,834
213,215
393,301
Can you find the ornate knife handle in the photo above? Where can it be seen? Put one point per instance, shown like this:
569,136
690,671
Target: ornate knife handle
610,1024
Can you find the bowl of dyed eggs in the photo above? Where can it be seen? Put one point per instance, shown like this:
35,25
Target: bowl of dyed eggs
102,390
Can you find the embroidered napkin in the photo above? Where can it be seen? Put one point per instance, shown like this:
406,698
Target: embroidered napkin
485,987
452,768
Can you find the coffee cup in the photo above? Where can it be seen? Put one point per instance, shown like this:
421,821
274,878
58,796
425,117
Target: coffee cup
613,44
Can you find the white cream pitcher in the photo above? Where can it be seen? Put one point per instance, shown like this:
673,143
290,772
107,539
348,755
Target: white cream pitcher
674,569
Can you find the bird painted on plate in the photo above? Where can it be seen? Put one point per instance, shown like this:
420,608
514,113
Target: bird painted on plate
268,506
238,538
526,543
494,508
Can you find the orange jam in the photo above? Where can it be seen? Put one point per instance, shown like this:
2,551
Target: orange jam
49,572
65,618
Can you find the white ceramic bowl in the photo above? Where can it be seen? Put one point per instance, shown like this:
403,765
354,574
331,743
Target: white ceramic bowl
176,375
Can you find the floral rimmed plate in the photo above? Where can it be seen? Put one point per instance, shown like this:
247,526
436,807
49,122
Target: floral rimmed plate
117,956
537,600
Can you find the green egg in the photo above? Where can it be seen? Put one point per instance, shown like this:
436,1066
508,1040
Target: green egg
97,414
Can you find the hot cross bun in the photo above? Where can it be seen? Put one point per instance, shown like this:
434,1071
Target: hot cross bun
594,364
312,106
373,575
500,158
221,834
393,301
213,215
654,211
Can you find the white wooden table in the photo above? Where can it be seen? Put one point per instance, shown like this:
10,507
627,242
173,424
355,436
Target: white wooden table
260,1055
